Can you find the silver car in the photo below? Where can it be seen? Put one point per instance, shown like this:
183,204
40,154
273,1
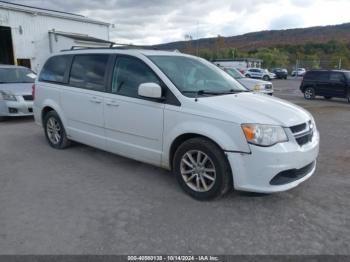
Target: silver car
252,84
16,97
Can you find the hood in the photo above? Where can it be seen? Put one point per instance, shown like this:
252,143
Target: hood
17,88
256,108
250,82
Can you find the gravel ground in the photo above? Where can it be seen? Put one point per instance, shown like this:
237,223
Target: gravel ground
86,201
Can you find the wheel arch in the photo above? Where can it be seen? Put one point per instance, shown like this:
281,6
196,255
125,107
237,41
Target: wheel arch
51,106
183,138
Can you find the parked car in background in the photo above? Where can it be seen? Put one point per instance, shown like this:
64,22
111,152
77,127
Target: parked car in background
178,112
326,83
281,73
259,73
252,84
16,91
299,72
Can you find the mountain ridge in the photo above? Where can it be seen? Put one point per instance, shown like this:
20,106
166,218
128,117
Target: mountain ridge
269,38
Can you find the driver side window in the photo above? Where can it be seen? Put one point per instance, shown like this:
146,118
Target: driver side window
128,74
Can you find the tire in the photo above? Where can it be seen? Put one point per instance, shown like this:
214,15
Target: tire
328,97
248,75
54,131
309,93
212,158
2,118
266,78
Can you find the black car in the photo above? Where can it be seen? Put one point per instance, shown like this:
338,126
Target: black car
326,83
281,73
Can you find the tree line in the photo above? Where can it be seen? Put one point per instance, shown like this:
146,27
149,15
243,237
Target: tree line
329,55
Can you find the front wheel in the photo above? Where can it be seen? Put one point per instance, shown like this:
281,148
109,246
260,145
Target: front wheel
266,78
202,169
309,93
247,76
328,97
54,131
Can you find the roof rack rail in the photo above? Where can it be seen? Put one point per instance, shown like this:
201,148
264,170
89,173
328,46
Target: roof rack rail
117,46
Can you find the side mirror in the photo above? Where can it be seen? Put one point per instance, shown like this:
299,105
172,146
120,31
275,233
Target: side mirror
150,90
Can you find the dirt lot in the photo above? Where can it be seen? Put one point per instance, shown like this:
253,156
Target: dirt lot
85,201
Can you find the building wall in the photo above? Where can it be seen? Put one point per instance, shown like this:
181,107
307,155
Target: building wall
32,40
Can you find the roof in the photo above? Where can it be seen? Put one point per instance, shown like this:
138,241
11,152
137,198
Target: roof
11,66
48,12
144,52
85,38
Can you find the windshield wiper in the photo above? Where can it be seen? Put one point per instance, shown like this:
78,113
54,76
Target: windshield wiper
211,92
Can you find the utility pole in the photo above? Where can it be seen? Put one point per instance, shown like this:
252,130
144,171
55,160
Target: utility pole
197,40
296,68
339,64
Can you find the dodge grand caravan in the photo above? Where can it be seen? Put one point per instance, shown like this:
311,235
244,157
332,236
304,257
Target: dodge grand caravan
179,112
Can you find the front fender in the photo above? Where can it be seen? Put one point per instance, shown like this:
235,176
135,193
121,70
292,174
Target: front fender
228,136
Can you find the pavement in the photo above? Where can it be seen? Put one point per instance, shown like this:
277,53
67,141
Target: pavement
85,201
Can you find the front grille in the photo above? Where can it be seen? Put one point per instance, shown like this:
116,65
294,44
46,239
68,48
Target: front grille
298,128
28,97
291,175
303,133
304,139
268,87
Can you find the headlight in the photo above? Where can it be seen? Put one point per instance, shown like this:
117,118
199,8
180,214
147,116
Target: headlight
312,123
259,87
264,135
7,96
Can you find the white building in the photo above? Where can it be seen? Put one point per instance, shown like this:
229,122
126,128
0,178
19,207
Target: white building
29,34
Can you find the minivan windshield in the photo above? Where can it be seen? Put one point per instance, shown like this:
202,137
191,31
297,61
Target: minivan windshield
196,76
16,75
234,73
347,74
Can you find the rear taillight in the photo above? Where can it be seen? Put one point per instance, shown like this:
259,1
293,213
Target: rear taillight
33,91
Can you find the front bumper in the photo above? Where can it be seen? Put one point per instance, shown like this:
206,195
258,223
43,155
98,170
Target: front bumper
254,172
266,91
20,107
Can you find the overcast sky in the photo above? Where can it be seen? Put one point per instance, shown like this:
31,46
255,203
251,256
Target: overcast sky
161,21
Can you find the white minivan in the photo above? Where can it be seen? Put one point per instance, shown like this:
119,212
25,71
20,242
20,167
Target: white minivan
179,112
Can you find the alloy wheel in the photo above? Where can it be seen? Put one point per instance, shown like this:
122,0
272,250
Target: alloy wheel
198,170
308,93
53,129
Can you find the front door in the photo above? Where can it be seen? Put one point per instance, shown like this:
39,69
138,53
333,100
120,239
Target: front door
338,84
134,125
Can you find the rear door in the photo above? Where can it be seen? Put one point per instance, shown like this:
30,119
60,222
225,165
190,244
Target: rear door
321,82
338,84
82,99
134,124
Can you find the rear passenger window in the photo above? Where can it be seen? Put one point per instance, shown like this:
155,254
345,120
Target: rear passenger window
128,74
336,77
55,69
89,71
323,76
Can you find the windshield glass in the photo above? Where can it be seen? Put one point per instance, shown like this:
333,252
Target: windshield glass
16,75
234,73
196,76
347,74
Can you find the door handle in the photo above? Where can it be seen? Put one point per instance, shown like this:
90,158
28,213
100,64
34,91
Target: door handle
96,100
112,103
